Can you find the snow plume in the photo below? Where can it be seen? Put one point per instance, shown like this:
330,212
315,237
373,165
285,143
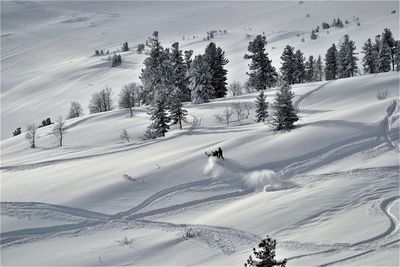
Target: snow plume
215,168
227,170
265,180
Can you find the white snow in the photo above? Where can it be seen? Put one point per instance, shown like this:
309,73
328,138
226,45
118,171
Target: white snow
328,191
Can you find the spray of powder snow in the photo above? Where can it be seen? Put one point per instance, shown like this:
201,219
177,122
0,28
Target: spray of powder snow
229,171
265,180
215,168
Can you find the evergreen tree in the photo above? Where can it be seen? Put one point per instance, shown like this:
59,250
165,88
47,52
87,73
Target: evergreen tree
384,58
216,60
177,113
370,57
318,74
200,78
261,107
284,116
158,71
309,69
17,131
325,25
377,49
266,255
313,36
397,55
116,60
262,74
140,48
125,47
159,117
339,23
331,63
180,71
347,61
299,67
387,37
188,58
288,65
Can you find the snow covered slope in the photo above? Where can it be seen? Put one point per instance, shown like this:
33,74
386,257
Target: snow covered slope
47,47
327,191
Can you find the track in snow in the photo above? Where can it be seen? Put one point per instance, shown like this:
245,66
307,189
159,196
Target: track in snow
93,220
296,104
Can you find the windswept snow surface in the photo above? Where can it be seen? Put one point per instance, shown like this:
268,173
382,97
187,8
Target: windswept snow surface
328,191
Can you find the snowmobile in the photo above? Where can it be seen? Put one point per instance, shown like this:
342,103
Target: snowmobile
216,153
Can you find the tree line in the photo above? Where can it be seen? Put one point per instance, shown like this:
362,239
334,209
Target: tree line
171,76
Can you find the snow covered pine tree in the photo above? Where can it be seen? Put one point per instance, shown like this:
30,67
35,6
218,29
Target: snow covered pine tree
284,115
261,107
262,74
266,255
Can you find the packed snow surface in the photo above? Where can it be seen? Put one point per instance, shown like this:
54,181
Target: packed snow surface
328,191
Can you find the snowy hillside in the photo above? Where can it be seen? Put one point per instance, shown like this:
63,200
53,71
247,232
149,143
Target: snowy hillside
327,191
47,47
331,186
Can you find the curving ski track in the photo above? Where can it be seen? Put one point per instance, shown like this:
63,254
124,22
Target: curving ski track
94,219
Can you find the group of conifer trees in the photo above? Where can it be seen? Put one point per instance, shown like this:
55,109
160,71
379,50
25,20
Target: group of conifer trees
170,77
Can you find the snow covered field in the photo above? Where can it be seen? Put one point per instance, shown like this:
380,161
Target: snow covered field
328,191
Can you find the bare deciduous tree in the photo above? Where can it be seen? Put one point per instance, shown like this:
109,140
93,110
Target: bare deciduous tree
75,110
124,136
225,117
101,101
31,135
248,88
242,110
235,88
128,96
247,107
59,130
238,109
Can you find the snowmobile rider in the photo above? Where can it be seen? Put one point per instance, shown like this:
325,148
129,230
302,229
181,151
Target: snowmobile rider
220,155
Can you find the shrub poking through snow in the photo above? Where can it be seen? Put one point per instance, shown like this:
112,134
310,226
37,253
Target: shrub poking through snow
265,255
186,233
380,95
125,241
129,178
